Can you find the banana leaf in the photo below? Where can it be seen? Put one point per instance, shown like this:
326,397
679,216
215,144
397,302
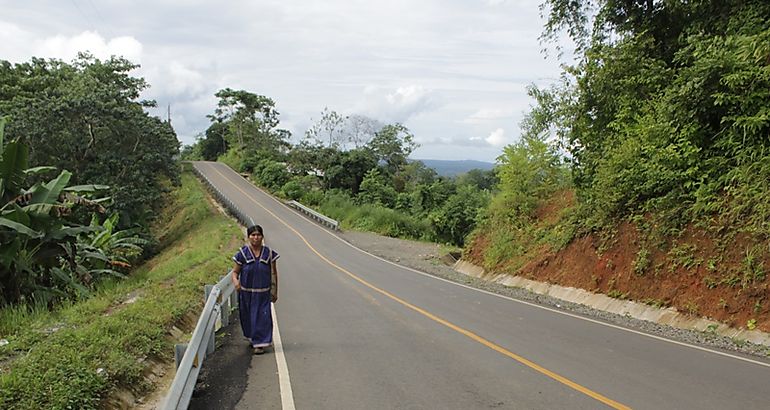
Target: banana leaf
14,162
49,192
86,188
107,272
38,170
22,229
96,255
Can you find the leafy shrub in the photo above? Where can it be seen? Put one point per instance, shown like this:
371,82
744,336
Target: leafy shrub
386,221
292,189
459,214
313,197
233,158
375,189
271,174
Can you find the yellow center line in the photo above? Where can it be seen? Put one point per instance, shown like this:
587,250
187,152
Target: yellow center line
468,333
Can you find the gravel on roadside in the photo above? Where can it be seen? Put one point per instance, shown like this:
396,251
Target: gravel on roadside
427,257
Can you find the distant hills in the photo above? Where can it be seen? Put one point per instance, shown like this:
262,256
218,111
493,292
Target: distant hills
452,168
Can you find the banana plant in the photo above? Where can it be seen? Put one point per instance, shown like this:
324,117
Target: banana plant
120,246
33,228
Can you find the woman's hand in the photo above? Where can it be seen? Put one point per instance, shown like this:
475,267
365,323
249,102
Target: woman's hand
274,298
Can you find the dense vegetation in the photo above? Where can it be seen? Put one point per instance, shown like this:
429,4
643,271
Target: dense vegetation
79,355
663,122
61,235
85,117
353,169
667,109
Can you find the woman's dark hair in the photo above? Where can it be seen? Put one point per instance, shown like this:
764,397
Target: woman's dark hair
254,228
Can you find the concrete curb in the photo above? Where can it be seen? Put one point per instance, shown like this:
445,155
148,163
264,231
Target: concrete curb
665,316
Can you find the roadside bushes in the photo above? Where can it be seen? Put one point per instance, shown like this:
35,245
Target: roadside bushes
271,174
374,218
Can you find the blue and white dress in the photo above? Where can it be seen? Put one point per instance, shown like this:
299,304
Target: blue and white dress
254,297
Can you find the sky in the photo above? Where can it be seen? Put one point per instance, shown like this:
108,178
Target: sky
454,72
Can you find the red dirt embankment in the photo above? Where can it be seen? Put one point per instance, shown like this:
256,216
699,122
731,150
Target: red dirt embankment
696,272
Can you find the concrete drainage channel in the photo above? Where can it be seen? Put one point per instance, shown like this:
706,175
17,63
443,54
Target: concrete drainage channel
663,316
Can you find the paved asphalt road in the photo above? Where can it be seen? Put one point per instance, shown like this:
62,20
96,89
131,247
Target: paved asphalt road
361,333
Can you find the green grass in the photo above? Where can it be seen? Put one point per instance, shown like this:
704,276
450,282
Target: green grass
375,218
74,357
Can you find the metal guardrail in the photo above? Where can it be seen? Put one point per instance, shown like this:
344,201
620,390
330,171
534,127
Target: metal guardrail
246,221
220,299
229,205
315,215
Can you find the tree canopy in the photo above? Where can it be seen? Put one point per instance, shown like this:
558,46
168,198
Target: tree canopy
666,108
86,117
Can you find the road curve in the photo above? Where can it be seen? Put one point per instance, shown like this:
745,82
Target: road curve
360,332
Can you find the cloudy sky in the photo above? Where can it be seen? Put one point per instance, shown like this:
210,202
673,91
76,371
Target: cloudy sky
453,71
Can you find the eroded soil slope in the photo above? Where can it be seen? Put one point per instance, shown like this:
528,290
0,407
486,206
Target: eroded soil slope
697,273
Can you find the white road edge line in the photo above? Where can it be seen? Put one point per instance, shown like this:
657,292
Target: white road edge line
663,339
284,383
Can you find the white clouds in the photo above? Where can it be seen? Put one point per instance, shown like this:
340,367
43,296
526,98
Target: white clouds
67,48
497,138
451,71
398,105
16,42
176,80
486,115
20,45
184,79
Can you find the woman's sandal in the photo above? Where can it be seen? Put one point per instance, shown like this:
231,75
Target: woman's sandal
258,350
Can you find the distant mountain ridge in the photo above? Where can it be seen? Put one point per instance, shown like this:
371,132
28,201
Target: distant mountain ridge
451,168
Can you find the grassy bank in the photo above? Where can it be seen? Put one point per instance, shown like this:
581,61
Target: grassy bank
76,356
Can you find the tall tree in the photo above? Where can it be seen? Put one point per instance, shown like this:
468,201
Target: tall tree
393,144
213,142
328,129
358,130
251,121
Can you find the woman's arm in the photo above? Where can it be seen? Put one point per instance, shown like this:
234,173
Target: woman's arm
273,282
234,276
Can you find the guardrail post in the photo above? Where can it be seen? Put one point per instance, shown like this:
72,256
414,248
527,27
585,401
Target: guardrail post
225,313
211,344
179,350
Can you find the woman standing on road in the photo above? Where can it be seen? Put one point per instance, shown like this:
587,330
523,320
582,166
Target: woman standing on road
256,278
